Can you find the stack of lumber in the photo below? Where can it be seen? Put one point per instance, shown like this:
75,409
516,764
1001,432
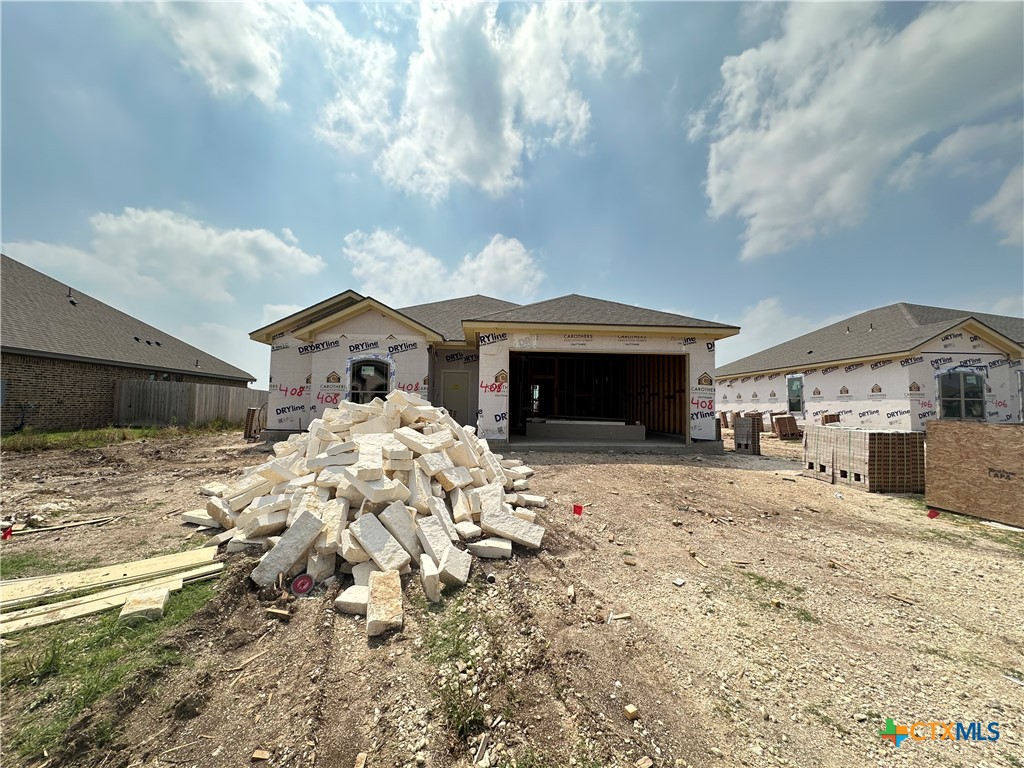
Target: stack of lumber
372,491
97,589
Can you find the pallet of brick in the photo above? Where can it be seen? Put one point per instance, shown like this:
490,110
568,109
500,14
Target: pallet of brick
819,453
879,461
786,428
772,416
976,469
830,418
746,437
723,420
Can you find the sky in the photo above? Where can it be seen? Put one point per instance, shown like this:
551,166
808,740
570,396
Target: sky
212,167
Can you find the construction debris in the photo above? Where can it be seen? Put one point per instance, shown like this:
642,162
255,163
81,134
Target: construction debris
377,490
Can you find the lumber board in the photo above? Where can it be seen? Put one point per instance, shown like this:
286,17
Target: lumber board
16,591
11,625
976,469
125,589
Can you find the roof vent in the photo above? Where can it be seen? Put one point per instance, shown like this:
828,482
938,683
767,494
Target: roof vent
847,329
150,343
158,343
197,362
137,338
871,327
810,351
72,302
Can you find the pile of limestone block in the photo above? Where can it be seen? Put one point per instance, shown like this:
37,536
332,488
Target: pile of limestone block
375,490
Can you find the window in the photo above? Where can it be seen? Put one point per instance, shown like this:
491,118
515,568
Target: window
962,395
369,380
795,390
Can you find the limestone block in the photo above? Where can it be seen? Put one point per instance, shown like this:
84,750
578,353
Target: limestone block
145,604
313,447
492,548
455,566
361,572
221,511
397,454
436,490
492,469
240,501
502,522
284,448
343,446
462,455
422,443
351,552
433,537
324,460
301,482
321,566
322,434
293,545
214,489
479,477
525,514
262,506
279,471
491,499
240,542
334,513
469,531
439,511
266,524
520,485
530,500
370,465
309,500
419,490
200,517
329,477
510,463
401,397
514,473
456,477
392,465
220,538
399,523
462,509
434,463
431,578
379,544
384,603
379,424
353,600
378,490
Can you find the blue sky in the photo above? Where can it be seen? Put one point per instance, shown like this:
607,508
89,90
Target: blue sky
212,167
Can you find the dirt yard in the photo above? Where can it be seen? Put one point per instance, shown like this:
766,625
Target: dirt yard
806,616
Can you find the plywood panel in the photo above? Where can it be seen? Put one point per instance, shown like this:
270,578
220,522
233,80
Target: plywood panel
976,469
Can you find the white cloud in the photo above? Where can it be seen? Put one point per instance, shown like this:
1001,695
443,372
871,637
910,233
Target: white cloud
230,343
806,124
234,47
1005,211
762,326
162,253
1008,305
274,312
971,149
480,94
399,274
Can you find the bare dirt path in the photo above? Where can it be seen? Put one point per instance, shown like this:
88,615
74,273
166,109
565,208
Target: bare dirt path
803,621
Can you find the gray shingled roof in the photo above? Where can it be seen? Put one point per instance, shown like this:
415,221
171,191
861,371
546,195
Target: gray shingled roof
37,317
446,317
584,310
890,330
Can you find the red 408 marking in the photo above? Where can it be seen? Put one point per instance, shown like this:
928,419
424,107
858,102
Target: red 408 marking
293,391
409,387
330,398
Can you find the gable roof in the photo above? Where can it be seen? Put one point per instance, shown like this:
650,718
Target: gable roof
307,316
446,317
585,310
889,330
37,317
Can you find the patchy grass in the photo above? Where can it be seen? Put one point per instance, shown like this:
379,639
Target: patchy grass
802,614
29,440
767,583
454,632
55,673
526,758
825,719
19,564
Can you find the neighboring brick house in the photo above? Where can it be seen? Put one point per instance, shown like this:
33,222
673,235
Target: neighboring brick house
572,367
893,367
62,351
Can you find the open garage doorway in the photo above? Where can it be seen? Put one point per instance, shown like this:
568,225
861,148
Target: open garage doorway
598,396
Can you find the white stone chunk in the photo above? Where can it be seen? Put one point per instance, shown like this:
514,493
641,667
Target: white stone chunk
344,446
439,511
492,548
462,455
380,545
240,542
361,572
321,565
335,516
279,471
530,500
525,514
378,491
509,463
469,531
214,489
302,482
456,477
462,509
221,511
397,454
492,469
433,463
323,460
431,578
145,604
433,537
419,490
353,600
200,517
422,443
479,477
399,523
284,448
502,522
351,552
455,566
384,603
292,547
266,524
520,485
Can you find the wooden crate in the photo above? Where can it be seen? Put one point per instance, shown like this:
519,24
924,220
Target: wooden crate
976,469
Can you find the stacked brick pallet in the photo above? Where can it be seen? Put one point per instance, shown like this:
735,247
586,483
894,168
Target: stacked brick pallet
785,428
882,461
373,492
747,436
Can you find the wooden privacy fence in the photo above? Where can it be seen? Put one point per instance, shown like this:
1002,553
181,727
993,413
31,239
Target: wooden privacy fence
166,403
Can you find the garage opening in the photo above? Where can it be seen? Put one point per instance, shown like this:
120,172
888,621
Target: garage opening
561,390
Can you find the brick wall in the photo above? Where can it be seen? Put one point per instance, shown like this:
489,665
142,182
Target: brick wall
67,394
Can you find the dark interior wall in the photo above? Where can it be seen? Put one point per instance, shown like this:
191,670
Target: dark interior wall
650,389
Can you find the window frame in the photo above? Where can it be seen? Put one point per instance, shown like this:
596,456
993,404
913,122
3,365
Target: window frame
961,399
789,401
388,366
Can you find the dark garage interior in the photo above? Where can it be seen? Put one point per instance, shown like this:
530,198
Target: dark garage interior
646,389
